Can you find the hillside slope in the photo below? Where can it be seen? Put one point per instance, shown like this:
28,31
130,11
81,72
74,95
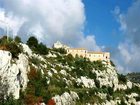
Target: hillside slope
58,78
134,77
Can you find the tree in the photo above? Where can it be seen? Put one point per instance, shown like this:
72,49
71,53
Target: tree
111,62
32,42
17,39
60,50
42,49
122,78
3,40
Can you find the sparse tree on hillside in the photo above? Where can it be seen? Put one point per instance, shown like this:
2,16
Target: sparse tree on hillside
17,39
32,42
42,49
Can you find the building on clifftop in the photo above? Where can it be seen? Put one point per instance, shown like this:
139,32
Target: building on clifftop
60,45
82,52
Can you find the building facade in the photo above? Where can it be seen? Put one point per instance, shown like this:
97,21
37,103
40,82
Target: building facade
77,51
82,52
93,56
102,56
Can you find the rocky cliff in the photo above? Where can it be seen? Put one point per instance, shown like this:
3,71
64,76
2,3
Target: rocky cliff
58,78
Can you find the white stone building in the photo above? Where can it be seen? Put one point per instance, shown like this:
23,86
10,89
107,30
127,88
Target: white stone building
93,56
60,45
82,52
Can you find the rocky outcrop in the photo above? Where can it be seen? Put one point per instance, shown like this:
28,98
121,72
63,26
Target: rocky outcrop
15,71
66,98
63,75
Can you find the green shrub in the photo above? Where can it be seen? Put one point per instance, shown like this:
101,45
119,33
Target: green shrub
98,65
38,48
97,83
112,64
42,49
60,50
122,78
17,39
3,40
123,102
37,85
14,49
110,91
32,42
92,75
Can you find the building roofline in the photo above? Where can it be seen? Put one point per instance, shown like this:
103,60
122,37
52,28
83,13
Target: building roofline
92,52
76,48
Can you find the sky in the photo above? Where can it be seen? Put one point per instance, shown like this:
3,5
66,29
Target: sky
98,25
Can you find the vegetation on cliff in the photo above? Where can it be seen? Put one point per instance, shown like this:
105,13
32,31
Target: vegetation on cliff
54,73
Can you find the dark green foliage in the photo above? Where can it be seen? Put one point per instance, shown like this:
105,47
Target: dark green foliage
122,78
9,45
17,39
97,83
61,60
98,65
60,50
70,59
122,102
11,101
108,97
110,91
42,49
32,42
134,89
35,61
112,64
3,40
88,97
138,98
134,77
92,75
37,85
82,66
38,48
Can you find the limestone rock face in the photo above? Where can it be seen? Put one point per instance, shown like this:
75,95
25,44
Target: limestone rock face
88,83
77,86
107,77
26,49
66,98
14,70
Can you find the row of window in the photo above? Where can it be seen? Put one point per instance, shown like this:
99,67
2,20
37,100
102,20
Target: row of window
89,55
76,51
